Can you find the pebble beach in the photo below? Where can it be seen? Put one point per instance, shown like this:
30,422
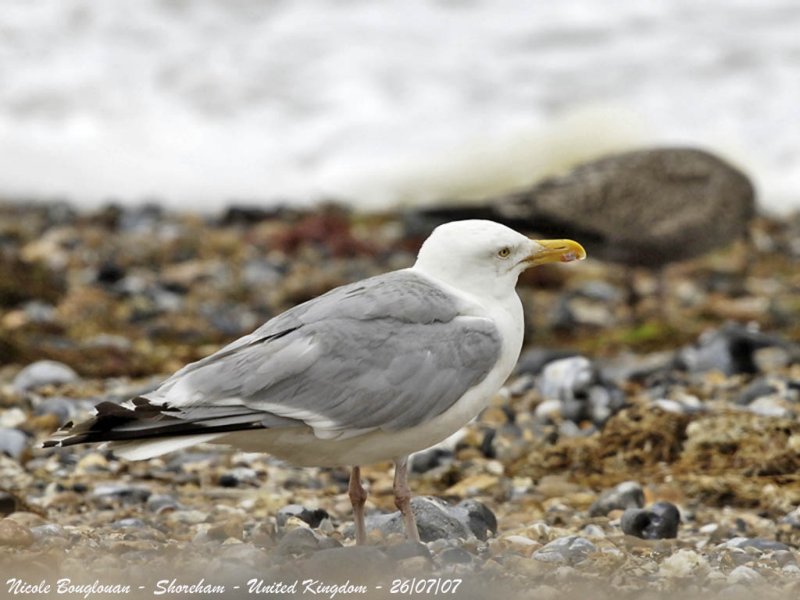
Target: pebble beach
646,451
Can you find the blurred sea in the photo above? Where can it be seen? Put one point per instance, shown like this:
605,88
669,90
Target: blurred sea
202,102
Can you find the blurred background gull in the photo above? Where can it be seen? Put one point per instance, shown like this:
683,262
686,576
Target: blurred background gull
203,103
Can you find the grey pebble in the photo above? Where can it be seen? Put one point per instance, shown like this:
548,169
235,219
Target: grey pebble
754,390
13,442
48,530
433,521
784,557
158,503
424,461
259,272
592,530
660,521
577,308
583,394
628,494
326,527
43,372
521,384
737,556
745,574
760,544
637,367
791,569
480,520
231,319
565,378
39,312
792,518
436,519
605,400
533,361
570,549
730,349
603,291
165,300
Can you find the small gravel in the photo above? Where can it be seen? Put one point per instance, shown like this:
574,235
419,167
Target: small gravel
633,458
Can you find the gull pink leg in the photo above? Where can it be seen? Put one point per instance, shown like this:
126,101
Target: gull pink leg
358,497
402,498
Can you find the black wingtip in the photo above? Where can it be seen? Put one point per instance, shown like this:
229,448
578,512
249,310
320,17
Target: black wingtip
147,420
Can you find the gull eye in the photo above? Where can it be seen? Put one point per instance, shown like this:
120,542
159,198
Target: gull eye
504,252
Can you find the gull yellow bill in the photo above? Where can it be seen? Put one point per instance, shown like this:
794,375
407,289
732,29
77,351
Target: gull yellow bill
556,251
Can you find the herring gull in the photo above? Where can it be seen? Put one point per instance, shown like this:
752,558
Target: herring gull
370,371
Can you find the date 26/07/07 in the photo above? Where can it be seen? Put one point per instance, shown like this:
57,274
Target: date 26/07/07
433,585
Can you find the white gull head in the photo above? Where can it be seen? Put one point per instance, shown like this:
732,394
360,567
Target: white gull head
485,258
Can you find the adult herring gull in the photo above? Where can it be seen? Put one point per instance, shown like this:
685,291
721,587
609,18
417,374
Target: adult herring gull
370,371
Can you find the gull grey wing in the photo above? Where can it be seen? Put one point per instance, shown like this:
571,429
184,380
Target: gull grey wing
388,352
390,375
349,375
403,295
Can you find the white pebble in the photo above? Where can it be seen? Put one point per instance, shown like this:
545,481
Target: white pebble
12,417
743,574
684,563
520,540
